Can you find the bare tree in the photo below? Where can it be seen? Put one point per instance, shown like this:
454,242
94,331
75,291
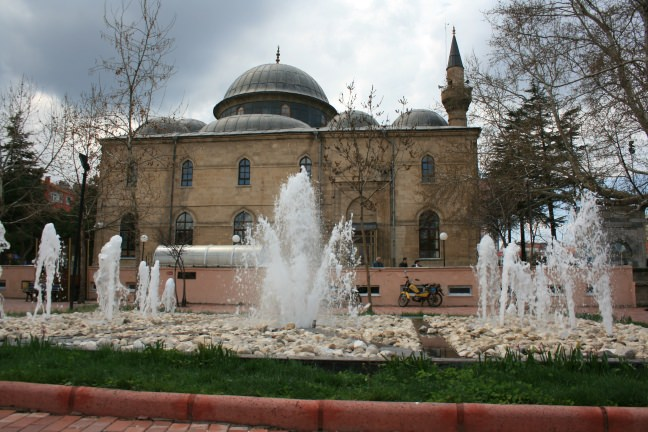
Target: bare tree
363,158
140,71
26,154
584,54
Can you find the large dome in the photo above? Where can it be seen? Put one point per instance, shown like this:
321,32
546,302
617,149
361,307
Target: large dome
276,77
419,117
277,89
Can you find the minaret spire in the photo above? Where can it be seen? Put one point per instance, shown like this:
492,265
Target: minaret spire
278,54
456,95
455,58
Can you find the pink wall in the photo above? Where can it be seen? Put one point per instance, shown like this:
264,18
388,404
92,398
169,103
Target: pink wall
13,276
218,286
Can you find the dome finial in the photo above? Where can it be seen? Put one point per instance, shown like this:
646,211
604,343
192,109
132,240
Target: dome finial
278,54
453,30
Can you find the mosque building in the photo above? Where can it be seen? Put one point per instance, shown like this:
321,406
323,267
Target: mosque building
201,184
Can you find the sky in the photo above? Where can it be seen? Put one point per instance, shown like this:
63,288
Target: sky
399,47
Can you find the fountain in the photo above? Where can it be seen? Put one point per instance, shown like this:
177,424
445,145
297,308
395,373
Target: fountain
304,280
302,277
49,254
579,260
535,310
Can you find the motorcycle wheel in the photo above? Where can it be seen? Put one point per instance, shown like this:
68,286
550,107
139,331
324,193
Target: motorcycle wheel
403,300
435,300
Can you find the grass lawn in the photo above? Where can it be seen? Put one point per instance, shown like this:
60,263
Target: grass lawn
556,379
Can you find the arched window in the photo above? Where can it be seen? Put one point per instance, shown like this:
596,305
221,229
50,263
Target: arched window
427,169
307,163
285,110
187,173
621,253
244,172
429,235
127,231
184,229
242,222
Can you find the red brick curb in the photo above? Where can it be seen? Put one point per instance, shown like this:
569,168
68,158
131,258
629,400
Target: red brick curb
322,415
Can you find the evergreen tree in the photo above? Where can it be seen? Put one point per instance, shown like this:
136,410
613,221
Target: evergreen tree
528,168
23,206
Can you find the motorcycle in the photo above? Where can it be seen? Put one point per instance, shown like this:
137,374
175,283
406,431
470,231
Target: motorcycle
431,294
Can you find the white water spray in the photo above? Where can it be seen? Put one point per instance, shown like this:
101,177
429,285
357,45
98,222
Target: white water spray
49,254
581,260
302,275
143,279
168,296
109,289
153,298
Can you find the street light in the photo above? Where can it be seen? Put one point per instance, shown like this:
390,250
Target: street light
143,240
77,247
443,236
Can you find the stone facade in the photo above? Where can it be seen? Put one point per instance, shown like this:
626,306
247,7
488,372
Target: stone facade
435,171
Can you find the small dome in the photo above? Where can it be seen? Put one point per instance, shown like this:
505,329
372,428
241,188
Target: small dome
254,122
352,120
276,77
419,117
167,125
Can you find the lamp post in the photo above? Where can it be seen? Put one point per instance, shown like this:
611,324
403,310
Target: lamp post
77,247
443,236
143,240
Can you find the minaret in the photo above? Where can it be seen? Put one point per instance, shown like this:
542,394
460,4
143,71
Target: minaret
456,95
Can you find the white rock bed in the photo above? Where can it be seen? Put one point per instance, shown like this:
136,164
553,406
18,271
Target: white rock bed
471,337
364,337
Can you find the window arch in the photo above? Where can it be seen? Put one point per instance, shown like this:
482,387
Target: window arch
307,163
244,172
242,223
128,232
621,253
186,178
184,227
427,169
429,235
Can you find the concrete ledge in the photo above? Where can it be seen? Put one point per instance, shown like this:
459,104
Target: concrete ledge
131,404
54,399
322,415
294,414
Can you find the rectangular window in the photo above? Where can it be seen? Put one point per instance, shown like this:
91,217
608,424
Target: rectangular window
3,285
460,290
186,275
362,290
